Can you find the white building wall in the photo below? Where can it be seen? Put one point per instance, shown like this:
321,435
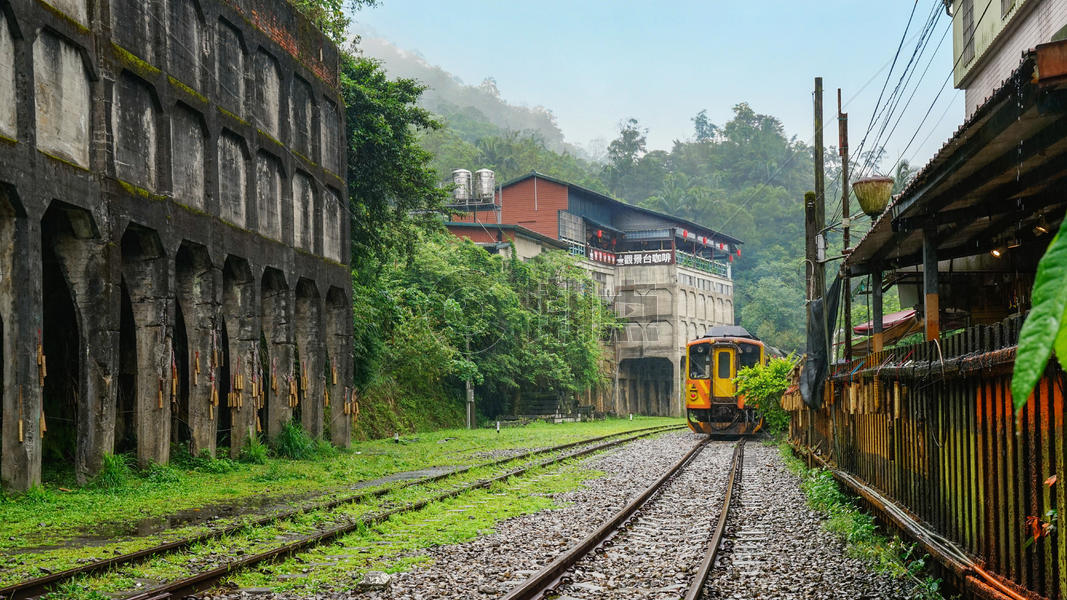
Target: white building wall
999,43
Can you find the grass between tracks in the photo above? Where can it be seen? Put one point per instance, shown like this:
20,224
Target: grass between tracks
395,545
889,556
340,565
55,519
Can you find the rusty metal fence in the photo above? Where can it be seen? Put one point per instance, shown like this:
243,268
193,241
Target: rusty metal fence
931,426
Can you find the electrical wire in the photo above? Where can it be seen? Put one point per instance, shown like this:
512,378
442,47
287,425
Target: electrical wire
944,84
902,84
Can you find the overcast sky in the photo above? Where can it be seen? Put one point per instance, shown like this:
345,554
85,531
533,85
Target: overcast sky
596,62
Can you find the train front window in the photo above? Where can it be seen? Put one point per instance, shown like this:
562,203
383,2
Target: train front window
699,361
724,365
748,355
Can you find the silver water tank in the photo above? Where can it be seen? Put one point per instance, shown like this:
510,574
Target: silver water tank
484,185
461,194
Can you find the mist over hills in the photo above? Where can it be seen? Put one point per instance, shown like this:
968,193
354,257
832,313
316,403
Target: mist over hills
473,112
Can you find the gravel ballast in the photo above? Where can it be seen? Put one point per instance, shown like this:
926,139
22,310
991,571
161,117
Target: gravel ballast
777,547
657,555
489,566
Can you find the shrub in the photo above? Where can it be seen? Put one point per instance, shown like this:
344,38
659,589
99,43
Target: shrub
762,386
293,442
207,464
114,472
35,495
254,450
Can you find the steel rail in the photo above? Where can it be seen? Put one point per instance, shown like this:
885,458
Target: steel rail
188,586
541,584
700,579
40,585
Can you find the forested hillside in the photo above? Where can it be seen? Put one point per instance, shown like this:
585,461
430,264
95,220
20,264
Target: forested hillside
745,177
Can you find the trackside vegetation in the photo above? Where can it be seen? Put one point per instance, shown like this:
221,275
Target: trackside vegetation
859,531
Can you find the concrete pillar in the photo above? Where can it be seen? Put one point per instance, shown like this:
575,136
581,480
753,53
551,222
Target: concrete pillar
339,371
149,280
90,267
20,310
199,293
277,320
308,326
674,388
240,310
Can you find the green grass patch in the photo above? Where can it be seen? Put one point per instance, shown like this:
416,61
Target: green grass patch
52,520
889,556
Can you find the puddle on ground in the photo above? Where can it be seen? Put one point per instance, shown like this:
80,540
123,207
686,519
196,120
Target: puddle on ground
108,533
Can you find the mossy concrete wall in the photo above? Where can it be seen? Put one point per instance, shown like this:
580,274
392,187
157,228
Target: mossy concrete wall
176,168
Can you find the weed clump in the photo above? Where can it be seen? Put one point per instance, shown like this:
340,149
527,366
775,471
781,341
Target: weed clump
324,449
203,462
114,472
254,451
293,442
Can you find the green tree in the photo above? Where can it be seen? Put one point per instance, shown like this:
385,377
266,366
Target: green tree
703,129
330,15
393,192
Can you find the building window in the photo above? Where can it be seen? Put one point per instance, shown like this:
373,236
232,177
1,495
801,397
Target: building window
967,18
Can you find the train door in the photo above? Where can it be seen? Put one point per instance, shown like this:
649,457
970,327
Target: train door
725,369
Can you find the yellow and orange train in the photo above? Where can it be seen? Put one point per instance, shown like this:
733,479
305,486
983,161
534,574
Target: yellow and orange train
712,404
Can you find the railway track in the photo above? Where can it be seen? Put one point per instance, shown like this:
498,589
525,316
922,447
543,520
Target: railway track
653,531
37,587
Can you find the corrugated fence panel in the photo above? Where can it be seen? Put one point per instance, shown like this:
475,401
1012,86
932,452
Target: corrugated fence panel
933,428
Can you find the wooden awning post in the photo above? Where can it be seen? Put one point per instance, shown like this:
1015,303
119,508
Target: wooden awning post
931,307
876,308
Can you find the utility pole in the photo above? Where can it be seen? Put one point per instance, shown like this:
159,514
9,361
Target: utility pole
470,392
842,146
810,252
819,279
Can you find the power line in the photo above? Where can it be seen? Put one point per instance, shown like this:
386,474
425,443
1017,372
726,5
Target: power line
885,113
896,56
947,78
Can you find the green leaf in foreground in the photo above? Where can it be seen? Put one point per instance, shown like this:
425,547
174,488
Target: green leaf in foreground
1045,325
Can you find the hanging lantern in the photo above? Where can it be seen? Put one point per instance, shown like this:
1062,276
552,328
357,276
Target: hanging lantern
730,257
685,233
738,253
599,233
722,246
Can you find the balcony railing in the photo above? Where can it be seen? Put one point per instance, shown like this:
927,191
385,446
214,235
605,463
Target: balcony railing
715,267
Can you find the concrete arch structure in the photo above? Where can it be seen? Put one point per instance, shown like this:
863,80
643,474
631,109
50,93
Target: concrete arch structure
131,214
199,298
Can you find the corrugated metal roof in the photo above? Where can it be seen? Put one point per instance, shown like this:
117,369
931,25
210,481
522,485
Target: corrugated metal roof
997,166
627,206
